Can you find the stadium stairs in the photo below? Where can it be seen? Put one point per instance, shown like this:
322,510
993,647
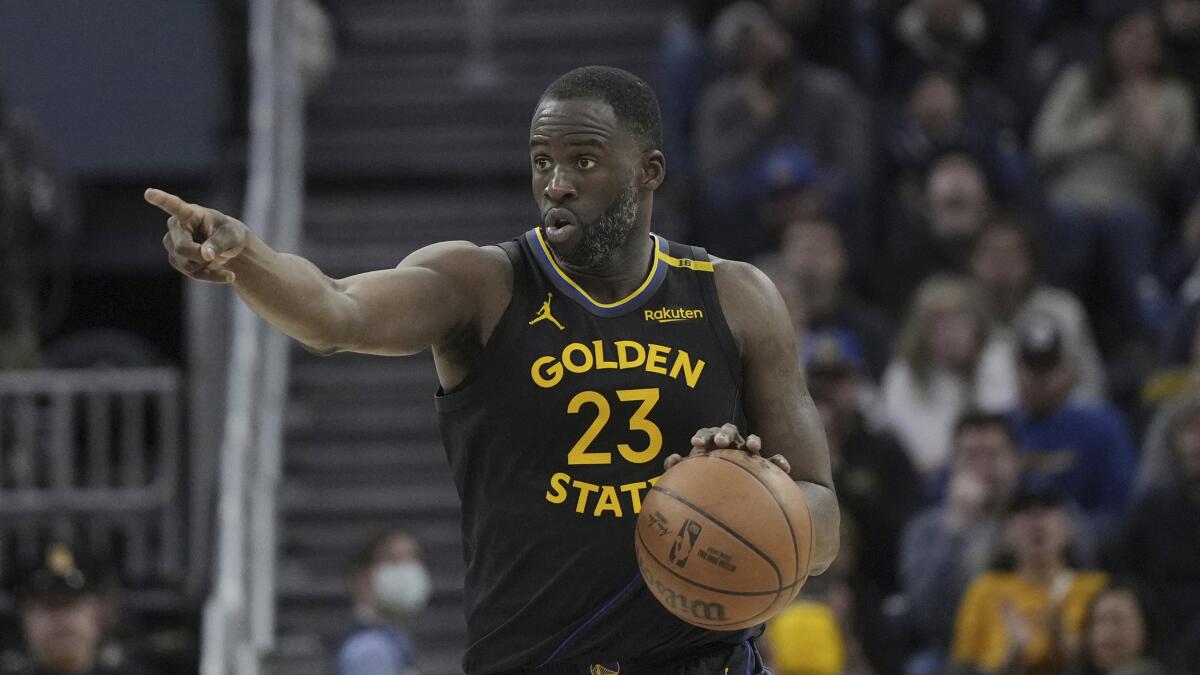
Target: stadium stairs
403,153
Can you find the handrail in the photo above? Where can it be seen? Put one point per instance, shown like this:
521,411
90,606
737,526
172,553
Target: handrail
239,614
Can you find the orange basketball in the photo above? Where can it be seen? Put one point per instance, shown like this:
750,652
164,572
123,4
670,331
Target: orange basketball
724,540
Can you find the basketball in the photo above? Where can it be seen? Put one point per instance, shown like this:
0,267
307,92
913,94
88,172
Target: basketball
724,540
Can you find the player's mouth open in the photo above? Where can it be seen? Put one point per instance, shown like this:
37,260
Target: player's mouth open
558,225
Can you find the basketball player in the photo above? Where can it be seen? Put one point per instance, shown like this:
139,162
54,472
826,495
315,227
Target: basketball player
571,360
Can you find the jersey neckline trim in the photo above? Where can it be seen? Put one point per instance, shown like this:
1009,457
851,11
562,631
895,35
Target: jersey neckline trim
663,261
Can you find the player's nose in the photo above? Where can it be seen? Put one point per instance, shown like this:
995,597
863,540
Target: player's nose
558,189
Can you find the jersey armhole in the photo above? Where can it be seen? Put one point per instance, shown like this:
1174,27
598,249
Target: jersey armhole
733,355
498,343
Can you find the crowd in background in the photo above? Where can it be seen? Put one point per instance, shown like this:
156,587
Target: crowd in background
984,216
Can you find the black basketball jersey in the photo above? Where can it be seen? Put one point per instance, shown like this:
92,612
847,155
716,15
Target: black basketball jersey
556,439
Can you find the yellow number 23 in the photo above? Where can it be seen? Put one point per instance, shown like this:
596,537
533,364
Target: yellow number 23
580,453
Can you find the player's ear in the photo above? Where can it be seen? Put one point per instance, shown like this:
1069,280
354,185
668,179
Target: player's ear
653,170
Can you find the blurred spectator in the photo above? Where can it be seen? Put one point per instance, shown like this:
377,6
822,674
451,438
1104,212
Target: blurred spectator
1115,638
1003,265
1181,22
771,98
804,639
934,234
38,214
685,65
388,585
1027,620
1182,256
813,258
935,120
1083,450
947,361
946,546
67,608
788,186
836,626
1055,33
961,37
1107,139
832,34
875,481
1159,543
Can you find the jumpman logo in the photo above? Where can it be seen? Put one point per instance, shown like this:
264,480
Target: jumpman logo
544,314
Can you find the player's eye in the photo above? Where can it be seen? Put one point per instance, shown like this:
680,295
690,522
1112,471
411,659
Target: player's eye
585,163
541,163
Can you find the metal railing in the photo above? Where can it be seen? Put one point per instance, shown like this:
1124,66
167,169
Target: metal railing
94,457
239,616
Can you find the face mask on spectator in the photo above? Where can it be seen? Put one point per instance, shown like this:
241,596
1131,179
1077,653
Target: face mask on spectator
401,588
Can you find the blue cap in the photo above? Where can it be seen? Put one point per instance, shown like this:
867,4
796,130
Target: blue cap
787,167
832,350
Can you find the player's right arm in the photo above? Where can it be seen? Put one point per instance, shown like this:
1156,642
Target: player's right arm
401,311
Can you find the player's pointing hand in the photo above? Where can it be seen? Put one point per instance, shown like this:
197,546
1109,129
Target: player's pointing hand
725,437
200,241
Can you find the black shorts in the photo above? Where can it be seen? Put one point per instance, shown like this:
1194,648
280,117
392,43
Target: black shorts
739,659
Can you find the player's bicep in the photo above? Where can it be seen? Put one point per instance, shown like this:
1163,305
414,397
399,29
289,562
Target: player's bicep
778,406
409,308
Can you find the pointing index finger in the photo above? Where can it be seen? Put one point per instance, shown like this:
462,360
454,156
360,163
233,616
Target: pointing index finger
173,205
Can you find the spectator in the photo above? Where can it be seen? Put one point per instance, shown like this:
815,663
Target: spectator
1003,266
1107,139
946,546
934,234
947,361
66,604
935,120
813,257
37,217
960,37
1181,20
771,98
875,480
832,34
1115,639
1083,450
388,585
1026,620
1159,543
685,66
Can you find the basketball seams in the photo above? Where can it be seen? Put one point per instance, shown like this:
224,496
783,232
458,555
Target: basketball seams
728,530
791,532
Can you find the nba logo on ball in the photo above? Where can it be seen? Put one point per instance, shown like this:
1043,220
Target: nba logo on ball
685,541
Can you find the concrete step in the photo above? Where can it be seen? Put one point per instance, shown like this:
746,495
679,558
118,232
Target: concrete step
416,501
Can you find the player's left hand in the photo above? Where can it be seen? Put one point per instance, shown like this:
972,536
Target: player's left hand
726,437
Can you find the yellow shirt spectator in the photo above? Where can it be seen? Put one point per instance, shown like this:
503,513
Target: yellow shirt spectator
804,640
980,634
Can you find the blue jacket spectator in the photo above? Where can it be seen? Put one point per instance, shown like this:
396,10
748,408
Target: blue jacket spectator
1084,451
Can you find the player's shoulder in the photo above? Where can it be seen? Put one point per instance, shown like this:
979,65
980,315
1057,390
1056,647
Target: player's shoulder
743,287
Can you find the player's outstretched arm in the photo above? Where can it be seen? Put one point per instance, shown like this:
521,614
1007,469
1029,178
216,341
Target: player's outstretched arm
779,409
392,312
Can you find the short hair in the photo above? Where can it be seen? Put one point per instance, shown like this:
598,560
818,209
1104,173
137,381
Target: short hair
973,420
632,100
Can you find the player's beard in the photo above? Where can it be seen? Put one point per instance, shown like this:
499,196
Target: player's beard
604,236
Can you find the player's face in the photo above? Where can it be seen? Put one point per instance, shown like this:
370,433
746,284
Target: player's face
584,180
